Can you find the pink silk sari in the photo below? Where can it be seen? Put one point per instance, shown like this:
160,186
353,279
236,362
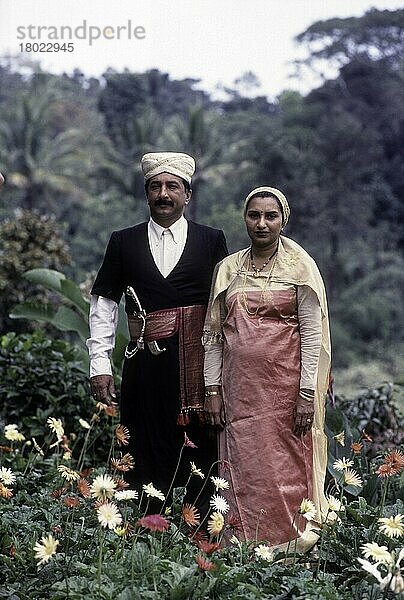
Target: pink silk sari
270,468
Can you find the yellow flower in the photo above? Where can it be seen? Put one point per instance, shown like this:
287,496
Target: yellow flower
103,487
109,515
340,438
215,523
56,426
351,477
152,492
45,549
195,471
392,526
11,433
220,483
307,509
380,554
342,464
68,474
263,551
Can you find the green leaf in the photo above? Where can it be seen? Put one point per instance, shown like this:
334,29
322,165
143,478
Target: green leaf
47,277
72,292
33,311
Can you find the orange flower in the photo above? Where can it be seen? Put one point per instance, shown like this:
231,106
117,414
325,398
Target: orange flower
111,410
154,523
57,493
71,501
84,487
208,547
356,447
124,464
5,492
395,458
386,470
122,435
121,484
204,564
190,515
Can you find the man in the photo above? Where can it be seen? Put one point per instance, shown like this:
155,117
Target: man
168,262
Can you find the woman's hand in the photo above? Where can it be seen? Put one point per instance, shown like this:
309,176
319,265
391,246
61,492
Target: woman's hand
303,416
213,407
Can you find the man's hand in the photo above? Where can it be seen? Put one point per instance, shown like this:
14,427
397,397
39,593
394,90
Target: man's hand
214,410
303,416
103,388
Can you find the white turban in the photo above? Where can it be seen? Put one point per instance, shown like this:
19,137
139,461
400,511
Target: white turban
278,194
175,163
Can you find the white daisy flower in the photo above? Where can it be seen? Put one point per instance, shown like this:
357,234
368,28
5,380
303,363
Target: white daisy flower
307,509
263,551
7,476
342,464
152,492
219,504
103,487
126,495
220,483
109,515
45,549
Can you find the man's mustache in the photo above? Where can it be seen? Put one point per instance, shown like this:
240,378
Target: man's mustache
162,202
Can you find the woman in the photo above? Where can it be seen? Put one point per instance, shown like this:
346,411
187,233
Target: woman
267,357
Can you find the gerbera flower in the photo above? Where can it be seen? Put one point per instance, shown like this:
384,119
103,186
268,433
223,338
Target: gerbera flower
263,551
103,487
45,549
190,515
154,523
123,464
71,501
12,434
195,471
122,435
334,504
109,515
121,484
220,483
340,438
356,447
351,477
395,459
234,522
392,526
5,492
126,495
215,523
208,547
380,554
204,563
341,464
152,492
84,487
219,504
188,442
68,474
307,509
84,424
58,493
7,476
56,426
386,470
37,447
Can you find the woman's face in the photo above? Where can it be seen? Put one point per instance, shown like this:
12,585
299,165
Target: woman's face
263,220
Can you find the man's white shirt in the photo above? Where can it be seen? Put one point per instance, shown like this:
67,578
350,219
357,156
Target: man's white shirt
166,246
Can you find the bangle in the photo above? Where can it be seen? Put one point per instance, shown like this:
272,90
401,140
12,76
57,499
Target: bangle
211,393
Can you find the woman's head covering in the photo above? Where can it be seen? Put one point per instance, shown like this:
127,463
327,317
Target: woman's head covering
176,163
277,193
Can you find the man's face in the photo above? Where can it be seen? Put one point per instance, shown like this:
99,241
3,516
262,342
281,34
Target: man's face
167,198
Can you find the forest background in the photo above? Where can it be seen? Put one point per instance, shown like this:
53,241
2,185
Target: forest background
70,147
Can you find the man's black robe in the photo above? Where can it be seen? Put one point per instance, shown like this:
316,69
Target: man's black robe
150,395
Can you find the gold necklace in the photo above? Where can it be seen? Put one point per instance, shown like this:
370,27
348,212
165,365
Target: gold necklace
263,290
257,270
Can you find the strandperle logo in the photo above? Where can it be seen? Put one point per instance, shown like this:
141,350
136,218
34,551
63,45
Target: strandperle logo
84,31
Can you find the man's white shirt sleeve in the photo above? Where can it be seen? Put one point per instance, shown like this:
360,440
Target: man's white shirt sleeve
103,321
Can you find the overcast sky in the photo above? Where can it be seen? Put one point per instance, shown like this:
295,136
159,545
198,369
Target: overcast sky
212,40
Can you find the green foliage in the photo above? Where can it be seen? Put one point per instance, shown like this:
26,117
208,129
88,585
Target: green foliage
41,377
27,241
